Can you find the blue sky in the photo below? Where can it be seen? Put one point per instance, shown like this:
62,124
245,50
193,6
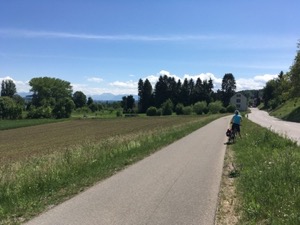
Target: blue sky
107,46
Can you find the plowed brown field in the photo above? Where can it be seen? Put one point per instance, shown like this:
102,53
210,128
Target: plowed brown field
21,143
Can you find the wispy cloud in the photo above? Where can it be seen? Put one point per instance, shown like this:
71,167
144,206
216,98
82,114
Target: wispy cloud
49,34
95,79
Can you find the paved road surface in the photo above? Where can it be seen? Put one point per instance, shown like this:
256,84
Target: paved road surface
285,128
177,185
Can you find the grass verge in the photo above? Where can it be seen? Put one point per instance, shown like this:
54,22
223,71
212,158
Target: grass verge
269,179
290,110
28,188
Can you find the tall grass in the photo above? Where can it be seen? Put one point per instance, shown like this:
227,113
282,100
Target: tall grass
27,188
269,181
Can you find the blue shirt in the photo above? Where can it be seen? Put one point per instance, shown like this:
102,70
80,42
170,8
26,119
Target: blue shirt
237,119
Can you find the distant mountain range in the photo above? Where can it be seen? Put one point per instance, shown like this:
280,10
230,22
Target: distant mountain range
102,97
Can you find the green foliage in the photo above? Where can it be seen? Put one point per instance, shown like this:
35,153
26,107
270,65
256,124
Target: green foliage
187,110
187,93
215,107
206,110
53,93
9,109
179,109
151,111
8,88
39,112
269,179
93,107
159,112
145,92
167,108
63,108
295,74
79,99
119,113
223,110
231,108
199,107
228,88
128,103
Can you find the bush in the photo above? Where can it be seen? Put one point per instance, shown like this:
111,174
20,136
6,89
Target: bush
9,109
215,107
40,112
187,110
179,109
223,110
198,107
159,112
119,113
151,111
206,110
231,108
167,108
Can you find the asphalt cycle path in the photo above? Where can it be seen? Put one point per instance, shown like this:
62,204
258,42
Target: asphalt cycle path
284,128
176,185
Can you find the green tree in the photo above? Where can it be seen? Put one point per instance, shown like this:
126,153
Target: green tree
161,93
63,108
51,94
90,101
295,74
47,91
167,107
128,103
228,88
185,93
79,99
145,93
269,92
8,88
9,109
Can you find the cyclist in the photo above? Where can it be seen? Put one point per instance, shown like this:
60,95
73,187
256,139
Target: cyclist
236,122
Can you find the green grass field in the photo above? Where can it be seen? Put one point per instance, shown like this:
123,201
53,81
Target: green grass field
47,164
269,179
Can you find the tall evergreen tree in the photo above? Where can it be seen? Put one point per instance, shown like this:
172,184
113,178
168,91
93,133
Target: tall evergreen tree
228,88
161,93
185,92
145,94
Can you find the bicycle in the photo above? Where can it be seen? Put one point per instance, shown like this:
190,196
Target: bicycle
231,135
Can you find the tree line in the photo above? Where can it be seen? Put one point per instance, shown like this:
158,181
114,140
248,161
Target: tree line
285,86
175,95
54,98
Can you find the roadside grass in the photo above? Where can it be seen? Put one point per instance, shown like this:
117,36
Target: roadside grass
290,110
268,184
29,187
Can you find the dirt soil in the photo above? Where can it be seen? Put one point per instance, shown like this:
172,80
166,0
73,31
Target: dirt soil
228,203
21,143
